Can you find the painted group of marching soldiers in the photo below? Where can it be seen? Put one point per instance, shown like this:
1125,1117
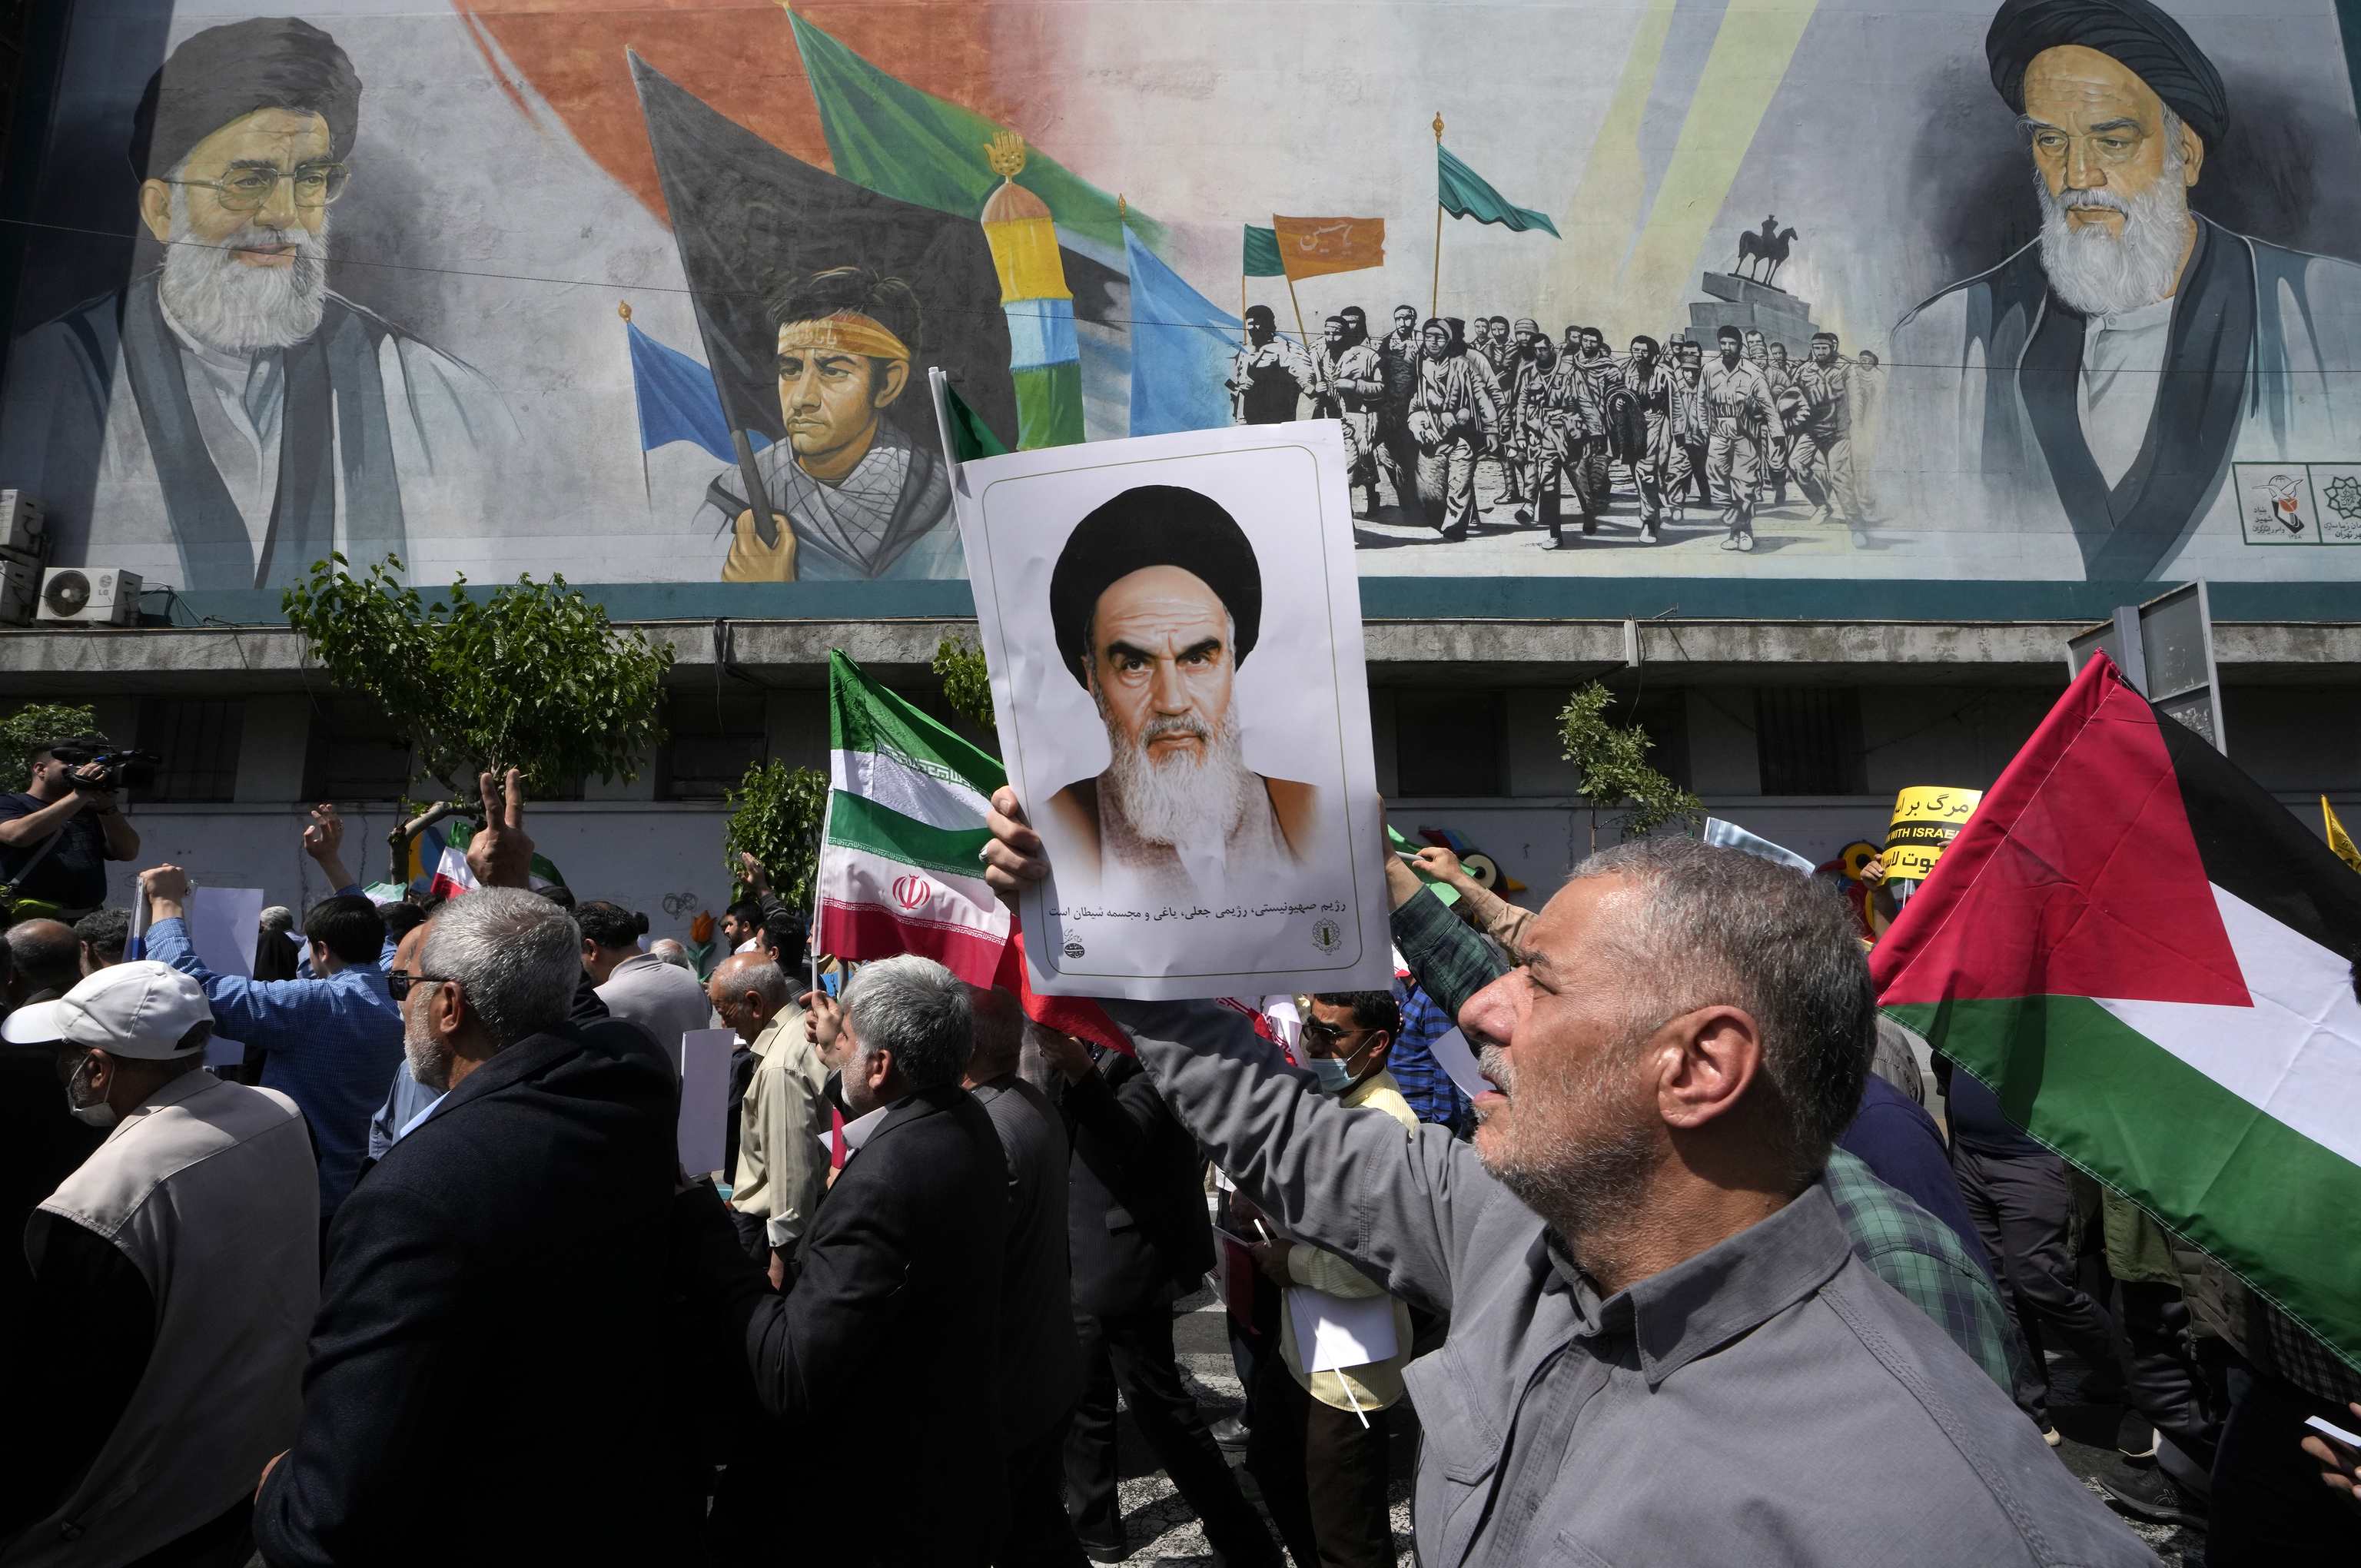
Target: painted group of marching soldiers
1422,405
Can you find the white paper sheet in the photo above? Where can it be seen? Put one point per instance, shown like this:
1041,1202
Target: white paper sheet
1332,1332
1290,897
704,1098
1453,1054
225,925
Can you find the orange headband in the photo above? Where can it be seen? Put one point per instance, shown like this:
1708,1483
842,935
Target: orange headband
846,332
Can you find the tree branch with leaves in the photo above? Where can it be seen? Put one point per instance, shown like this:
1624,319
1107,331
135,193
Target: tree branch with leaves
530,677
1610,763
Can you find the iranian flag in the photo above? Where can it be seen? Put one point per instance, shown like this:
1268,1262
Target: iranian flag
2151,963
899,866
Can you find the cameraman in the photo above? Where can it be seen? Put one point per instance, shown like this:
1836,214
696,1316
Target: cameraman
55,839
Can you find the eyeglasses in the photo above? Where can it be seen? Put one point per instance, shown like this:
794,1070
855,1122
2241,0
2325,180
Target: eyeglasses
1327,1036
248,186
398,981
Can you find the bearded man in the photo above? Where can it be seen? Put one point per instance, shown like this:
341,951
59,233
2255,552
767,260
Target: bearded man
1156,599
2106,376
227,420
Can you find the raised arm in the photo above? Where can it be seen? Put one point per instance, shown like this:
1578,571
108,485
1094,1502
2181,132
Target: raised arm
268,1014
1345,1180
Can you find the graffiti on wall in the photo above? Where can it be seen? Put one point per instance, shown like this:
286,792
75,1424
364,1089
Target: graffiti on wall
2050,291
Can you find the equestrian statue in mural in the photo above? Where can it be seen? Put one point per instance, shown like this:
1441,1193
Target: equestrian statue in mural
1769,248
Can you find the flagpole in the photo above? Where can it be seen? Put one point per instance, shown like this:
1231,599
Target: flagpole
647,490
1300,335
1434,300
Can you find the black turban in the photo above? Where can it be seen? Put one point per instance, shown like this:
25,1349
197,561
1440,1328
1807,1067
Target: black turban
1153,525
2142,39
225,73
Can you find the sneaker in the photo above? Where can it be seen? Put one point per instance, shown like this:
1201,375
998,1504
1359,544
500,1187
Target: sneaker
1456,533
2155,1497
1230,1433
1523,515
2050,1436
1746,543
1730,542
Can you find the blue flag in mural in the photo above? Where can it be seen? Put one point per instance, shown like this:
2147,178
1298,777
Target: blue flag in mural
1181,345
678,399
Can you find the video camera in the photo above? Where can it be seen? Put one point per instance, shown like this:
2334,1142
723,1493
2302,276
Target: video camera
119,766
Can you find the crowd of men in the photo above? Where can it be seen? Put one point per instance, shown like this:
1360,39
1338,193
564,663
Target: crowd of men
1662,425
418,1276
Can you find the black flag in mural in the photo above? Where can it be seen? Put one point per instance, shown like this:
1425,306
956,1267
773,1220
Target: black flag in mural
749,218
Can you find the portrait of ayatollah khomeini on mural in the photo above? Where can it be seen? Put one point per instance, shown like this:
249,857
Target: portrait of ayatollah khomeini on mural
1155,600
227,408
853,498
2103,377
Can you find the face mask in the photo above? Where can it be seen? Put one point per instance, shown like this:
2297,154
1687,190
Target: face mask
1335,1077
100,1115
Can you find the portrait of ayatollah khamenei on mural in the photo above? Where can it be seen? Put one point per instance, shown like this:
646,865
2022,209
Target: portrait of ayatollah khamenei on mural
2000,291
1174,635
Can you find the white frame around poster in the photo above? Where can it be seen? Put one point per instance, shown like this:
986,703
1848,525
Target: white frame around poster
1317,924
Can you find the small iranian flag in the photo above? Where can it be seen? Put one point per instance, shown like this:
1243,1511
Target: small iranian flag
453,876
2150,962
899,866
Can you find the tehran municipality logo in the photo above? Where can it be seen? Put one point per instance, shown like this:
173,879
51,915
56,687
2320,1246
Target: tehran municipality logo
2345,497
1326,936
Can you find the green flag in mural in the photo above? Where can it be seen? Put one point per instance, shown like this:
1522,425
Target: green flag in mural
1262,254
888,136
1466,195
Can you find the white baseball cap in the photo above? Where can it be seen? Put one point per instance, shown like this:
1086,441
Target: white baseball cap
142,1009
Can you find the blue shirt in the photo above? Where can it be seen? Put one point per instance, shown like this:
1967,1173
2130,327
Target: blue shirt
1432,1096
334,1044
406,1103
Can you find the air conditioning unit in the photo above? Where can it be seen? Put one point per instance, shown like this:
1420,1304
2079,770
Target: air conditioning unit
21,526
90,595
20,588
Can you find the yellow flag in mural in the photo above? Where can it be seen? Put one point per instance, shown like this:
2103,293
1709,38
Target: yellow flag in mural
1308,247
2338,838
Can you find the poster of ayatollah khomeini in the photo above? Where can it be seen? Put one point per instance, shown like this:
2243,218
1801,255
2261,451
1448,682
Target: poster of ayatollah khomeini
1173,627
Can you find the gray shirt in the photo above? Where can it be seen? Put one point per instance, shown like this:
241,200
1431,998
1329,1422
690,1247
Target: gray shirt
1767,1401
659,997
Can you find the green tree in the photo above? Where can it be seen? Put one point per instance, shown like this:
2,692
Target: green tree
967,685
36,724
777,814
1611,763
531,677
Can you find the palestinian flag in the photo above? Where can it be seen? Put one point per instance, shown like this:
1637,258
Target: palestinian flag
899,860
2150,962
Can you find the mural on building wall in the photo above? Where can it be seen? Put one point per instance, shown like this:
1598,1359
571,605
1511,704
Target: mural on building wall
2046,290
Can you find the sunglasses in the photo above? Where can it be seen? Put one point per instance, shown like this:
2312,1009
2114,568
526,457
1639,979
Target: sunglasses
398,981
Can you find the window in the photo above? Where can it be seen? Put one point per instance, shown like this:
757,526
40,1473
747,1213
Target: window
714,738
198,741
1807,741
358,754
1448,741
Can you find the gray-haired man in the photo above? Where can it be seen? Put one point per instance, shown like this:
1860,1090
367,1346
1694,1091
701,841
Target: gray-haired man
881,1351
497,1283
1663,1345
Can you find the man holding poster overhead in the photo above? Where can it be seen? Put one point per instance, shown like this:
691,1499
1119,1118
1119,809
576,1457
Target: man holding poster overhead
1156,600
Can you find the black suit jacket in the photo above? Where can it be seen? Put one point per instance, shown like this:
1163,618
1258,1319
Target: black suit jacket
881,1359
1135,1211
493,1310
1041,1356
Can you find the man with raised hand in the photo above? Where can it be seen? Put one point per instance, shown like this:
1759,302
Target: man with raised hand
1662,1340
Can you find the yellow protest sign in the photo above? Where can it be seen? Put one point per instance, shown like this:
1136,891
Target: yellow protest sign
1926,817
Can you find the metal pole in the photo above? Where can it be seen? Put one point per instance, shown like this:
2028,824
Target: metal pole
1434,300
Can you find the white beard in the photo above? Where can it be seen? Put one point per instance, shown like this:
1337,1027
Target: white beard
238,309
1182,799
430,1063
2101,274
